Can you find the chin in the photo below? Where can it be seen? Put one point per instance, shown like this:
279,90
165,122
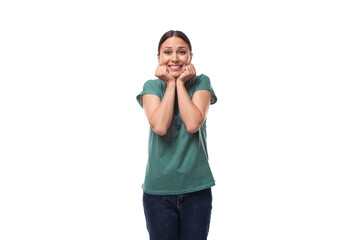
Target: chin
175,75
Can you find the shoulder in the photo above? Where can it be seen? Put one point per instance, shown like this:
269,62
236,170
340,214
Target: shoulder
198,80
201,78
202,82
154,87
154,83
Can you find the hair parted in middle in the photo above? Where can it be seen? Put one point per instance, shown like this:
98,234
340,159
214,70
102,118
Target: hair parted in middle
174,33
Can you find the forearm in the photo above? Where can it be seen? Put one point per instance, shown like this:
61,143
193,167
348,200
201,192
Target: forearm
161,118
190,113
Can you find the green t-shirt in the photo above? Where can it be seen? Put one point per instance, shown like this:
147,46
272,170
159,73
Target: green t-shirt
177,161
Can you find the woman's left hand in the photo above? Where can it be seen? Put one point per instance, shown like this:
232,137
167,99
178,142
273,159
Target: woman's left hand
188,73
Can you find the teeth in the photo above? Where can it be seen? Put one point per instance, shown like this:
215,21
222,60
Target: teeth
175,67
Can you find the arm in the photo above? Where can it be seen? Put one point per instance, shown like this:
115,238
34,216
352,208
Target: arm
160,112
193,111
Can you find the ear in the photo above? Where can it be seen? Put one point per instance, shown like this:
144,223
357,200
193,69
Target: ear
190,57
158,58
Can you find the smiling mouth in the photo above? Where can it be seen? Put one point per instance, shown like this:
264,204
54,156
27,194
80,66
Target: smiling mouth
175,68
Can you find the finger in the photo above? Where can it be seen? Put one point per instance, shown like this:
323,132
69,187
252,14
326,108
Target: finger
189,69
160,70
193,71
164,70
157,71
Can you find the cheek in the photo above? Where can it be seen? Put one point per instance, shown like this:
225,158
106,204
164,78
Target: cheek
163,60
187,59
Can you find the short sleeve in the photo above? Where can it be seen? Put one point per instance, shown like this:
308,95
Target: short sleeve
150,87
203,83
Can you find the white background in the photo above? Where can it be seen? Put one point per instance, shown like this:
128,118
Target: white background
284,137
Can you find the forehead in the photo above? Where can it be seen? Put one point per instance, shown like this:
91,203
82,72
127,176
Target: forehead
174,42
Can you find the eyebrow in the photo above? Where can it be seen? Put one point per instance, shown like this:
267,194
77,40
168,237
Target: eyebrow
178,47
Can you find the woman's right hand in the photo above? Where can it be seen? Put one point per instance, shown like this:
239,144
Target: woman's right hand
163,74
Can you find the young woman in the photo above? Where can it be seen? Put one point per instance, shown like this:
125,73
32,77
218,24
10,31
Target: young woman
177,188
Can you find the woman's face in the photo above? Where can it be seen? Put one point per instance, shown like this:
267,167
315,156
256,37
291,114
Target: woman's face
175,55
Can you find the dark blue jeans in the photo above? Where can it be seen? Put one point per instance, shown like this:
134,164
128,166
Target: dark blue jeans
174,217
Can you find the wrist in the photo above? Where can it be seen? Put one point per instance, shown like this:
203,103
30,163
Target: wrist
179,82
171,83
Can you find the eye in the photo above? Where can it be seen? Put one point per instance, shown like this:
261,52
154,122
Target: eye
182,52
167,52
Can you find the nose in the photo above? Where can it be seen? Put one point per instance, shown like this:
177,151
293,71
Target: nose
174,57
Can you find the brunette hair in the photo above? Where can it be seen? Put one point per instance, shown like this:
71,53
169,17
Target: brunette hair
173,33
